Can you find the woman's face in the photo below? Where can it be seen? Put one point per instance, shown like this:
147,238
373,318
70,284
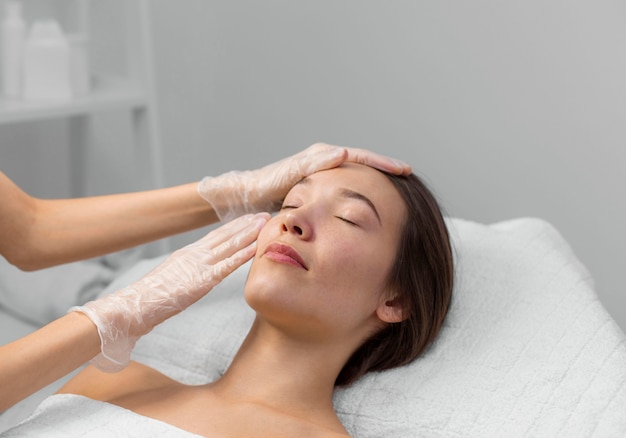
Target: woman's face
322,262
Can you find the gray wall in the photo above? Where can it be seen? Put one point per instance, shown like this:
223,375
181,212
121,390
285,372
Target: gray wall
508,109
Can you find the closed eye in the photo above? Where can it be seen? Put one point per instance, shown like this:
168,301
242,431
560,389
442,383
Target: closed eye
347,221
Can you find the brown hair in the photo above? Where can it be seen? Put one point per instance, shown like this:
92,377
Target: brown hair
421,276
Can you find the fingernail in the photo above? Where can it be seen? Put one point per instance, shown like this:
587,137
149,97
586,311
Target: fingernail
399,163
338,152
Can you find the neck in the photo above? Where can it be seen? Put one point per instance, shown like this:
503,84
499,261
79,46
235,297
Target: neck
291,375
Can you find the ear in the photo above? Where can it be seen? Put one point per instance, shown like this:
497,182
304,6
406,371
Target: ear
391,310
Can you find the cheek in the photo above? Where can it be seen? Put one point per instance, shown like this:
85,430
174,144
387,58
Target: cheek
356,271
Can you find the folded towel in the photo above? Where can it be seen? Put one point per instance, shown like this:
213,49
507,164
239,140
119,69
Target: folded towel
68,415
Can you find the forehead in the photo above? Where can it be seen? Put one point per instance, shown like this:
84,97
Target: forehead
366,181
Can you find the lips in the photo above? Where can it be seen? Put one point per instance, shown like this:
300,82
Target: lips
284,254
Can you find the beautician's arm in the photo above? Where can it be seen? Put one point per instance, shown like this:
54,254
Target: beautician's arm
36,360
37,233
106,330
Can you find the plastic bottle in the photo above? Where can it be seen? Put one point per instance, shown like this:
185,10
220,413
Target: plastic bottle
47,68
13,32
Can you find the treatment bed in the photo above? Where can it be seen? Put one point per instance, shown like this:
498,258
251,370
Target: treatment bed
527,349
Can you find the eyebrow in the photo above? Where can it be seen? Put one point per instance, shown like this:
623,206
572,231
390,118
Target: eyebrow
350,194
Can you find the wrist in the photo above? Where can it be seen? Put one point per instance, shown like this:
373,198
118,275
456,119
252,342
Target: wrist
227,194
115,318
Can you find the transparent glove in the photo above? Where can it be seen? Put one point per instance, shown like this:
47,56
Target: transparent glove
182,279
235,193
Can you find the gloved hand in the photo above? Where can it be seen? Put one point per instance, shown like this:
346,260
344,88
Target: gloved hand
235,193
181,280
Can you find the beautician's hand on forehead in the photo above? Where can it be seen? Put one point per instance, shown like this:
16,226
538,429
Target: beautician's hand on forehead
377,161
235,193
39,233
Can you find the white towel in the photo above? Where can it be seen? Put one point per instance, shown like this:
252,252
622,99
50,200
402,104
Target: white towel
526,351
67,415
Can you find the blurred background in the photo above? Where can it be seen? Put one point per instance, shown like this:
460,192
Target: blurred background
507,109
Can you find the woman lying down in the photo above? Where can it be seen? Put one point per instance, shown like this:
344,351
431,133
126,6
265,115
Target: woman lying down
354,274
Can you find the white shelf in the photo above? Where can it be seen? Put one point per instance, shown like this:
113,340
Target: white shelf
103,97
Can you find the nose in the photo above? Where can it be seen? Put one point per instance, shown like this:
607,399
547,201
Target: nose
296,222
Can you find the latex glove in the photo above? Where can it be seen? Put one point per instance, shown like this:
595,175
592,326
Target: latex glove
235,193
182,279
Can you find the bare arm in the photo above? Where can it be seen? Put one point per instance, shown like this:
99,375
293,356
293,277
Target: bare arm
112,324
36,360
37,233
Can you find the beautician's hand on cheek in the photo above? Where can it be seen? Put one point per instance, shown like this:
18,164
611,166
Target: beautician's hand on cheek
235,193
181,280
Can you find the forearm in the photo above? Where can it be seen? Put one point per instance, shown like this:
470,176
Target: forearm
62,231
46,355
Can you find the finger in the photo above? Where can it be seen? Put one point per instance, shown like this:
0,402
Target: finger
236,242
322,156
381,162
319,156
231,229
214,274
225,267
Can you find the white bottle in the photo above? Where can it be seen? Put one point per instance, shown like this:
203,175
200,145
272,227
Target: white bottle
47,65
13,32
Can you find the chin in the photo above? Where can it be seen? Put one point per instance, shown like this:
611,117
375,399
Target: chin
260,286
271,294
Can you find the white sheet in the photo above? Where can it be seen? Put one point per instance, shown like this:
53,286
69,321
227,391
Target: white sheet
527,349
